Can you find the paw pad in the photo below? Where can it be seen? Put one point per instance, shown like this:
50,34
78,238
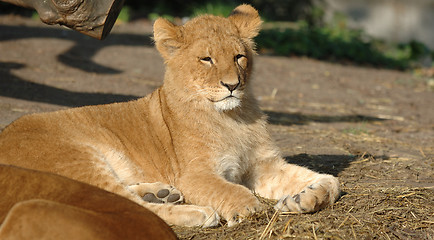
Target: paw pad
163,193
157,192
163,196
150,197
173,198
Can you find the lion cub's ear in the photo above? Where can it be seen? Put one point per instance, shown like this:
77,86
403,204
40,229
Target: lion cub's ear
247,20
167,37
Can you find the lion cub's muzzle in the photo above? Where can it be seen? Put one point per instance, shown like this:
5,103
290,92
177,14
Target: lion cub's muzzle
231,97
231,87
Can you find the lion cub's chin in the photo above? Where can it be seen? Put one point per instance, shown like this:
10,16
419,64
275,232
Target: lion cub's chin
227,104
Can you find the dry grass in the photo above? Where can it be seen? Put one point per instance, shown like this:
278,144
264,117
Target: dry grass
370,207
384,197
362,213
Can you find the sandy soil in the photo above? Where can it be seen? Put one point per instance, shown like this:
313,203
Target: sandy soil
373,128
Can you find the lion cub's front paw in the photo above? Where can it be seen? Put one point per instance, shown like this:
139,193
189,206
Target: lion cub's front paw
238,209
157,192
313,197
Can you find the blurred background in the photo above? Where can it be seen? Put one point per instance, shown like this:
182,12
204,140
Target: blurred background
396,34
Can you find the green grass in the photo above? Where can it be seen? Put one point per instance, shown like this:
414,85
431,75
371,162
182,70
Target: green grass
125,14
338,43
217,7
35,16
153,16
357,130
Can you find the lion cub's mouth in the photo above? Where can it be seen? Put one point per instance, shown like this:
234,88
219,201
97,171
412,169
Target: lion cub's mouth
227,103
227,97
223,99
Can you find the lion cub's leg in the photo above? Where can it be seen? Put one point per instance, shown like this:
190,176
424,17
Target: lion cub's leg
297,188
182,215
233,201
185,215
157,192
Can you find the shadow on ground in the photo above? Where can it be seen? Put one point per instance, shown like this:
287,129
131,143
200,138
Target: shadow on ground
330,164
15,87
80,55
288,119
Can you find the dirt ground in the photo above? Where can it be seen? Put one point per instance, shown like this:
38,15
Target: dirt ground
373,128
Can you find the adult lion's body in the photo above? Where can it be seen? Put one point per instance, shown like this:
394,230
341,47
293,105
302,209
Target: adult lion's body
201,132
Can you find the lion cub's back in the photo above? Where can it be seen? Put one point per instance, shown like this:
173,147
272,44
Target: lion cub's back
40,141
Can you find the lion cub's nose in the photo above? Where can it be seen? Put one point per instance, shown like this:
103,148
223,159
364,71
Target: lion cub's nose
230,87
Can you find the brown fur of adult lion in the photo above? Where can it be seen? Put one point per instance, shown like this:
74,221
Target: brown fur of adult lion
201,132
37,205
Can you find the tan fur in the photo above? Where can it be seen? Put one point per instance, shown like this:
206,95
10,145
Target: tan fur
190,133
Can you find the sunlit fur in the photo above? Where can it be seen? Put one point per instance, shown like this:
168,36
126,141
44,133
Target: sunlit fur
201,131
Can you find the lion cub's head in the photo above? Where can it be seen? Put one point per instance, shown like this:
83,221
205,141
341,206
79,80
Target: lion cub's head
209,58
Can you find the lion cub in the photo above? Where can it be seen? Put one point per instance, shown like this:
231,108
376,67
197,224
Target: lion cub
201,132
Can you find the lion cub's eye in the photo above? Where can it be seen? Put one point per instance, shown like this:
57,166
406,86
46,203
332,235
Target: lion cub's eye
207,60
239,56
241,60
